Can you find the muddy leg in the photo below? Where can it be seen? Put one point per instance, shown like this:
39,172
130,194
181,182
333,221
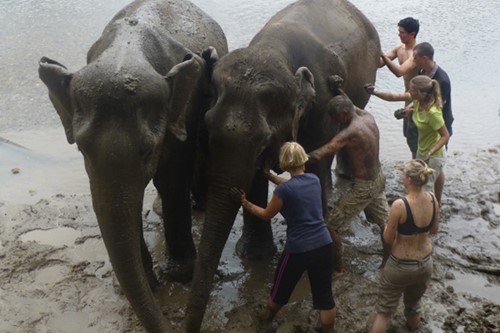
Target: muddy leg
438,186
327,319
413,321
270,312
380,323
338,268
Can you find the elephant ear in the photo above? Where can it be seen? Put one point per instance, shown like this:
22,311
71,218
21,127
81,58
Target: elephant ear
184,84
307,94
57,78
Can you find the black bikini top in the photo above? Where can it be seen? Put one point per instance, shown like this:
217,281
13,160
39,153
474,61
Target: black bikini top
409,228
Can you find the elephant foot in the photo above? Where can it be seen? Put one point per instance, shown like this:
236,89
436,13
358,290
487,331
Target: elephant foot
255,251
180,271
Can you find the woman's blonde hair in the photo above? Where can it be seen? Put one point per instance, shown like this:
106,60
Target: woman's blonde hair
430,88
418,171
292,155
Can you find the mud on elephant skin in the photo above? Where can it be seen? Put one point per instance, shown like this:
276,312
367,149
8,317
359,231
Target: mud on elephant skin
272,91
134,112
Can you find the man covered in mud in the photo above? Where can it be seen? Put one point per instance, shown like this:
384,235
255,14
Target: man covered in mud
365,190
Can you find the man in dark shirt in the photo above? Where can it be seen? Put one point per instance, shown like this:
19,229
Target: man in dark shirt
423,56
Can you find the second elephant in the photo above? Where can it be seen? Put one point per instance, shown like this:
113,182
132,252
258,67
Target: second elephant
273,91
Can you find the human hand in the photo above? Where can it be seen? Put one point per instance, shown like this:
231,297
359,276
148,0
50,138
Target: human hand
312,158
369,88
237,195
400,113
427,157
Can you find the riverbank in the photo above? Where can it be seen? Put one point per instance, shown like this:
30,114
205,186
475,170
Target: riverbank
55,275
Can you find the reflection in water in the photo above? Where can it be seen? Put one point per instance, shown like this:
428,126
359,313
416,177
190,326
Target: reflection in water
55,237
51,275
475,285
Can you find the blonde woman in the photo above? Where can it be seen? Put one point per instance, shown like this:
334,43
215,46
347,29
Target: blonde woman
426,113
308,246
411,220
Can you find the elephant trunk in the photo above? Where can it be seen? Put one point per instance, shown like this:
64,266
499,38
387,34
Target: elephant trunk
117,182
219,219
120,222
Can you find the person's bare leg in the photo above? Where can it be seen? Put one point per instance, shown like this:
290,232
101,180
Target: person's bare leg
270,312
327,319
338,267
439,186
380,323
413,321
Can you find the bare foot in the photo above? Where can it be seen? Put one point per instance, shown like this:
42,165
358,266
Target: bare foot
338,274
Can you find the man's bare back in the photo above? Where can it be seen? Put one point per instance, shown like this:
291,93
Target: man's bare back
359,138
362,146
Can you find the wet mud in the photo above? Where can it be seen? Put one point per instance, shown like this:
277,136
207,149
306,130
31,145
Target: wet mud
55,275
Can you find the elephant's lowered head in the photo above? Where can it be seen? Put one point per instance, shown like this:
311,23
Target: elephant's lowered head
258,107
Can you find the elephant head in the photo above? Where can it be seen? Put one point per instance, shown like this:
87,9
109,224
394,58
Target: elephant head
133,124
258,107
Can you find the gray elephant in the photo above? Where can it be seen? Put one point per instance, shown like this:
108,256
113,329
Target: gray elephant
272,91
134,111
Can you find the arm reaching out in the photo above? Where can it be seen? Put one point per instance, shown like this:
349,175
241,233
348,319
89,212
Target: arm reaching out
273,207
399,71
387,96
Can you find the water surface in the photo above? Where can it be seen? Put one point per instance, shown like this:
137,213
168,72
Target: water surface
464,36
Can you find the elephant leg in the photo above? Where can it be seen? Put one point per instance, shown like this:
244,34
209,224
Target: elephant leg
173,182
200,180
181,249
147,262
256,241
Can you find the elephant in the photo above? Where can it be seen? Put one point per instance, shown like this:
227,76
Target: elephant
275,90
134,111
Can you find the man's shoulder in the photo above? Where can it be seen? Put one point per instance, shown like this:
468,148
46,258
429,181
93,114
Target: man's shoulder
441,74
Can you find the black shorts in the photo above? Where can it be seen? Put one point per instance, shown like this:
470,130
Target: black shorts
291,266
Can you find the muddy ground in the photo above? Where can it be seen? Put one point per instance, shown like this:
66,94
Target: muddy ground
55,275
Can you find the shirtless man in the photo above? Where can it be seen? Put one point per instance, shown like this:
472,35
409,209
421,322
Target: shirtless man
408,30
365,191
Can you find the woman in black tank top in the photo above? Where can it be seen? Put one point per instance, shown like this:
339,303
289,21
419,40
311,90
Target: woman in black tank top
411,220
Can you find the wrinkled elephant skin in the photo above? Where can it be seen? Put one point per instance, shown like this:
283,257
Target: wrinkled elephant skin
134,111
272,91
